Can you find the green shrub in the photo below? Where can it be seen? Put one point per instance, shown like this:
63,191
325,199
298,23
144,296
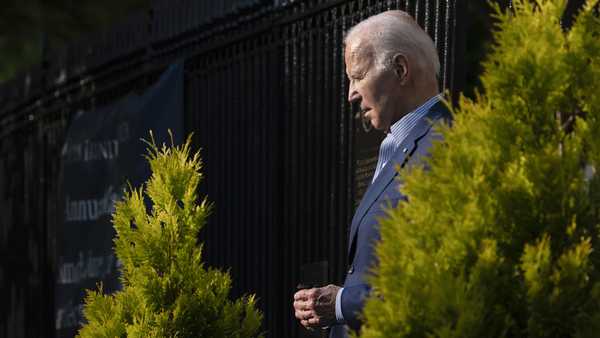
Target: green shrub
167,292
500,237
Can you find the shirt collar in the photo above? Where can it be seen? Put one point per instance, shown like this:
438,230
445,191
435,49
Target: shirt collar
400,129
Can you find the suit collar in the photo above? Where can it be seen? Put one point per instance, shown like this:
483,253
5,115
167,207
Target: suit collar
399,158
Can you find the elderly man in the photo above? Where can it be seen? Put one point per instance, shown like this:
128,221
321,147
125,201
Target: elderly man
392,65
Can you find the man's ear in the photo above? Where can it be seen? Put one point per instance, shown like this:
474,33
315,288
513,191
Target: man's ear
400,66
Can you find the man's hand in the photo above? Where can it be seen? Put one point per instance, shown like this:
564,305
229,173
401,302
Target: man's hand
316,307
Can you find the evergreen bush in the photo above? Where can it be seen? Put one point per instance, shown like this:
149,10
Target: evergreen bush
500,235
167,291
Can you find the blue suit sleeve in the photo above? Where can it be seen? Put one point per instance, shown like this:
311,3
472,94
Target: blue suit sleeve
353,301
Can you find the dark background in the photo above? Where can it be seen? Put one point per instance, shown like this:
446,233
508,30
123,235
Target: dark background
286,158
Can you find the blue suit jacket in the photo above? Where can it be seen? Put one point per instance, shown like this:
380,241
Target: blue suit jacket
364,231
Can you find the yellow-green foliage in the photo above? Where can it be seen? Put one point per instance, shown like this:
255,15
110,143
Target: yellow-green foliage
167,292
500,237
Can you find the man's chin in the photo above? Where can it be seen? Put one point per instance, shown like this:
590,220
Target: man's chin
378,125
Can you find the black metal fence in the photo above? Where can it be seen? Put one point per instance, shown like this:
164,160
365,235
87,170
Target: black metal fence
286,158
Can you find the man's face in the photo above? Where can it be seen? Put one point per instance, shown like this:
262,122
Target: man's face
374,89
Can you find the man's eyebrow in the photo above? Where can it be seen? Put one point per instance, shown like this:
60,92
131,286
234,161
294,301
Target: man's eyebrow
358,69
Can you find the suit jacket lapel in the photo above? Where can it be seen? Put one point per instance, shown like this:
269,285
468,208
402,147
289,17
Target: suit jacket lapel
386,176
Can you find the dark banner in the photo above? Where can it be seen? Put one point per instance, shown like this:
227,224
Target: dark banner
366,153
102,153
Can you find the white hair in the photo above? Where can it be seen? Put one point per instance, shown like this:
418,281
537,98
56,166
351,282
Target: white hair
395,32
